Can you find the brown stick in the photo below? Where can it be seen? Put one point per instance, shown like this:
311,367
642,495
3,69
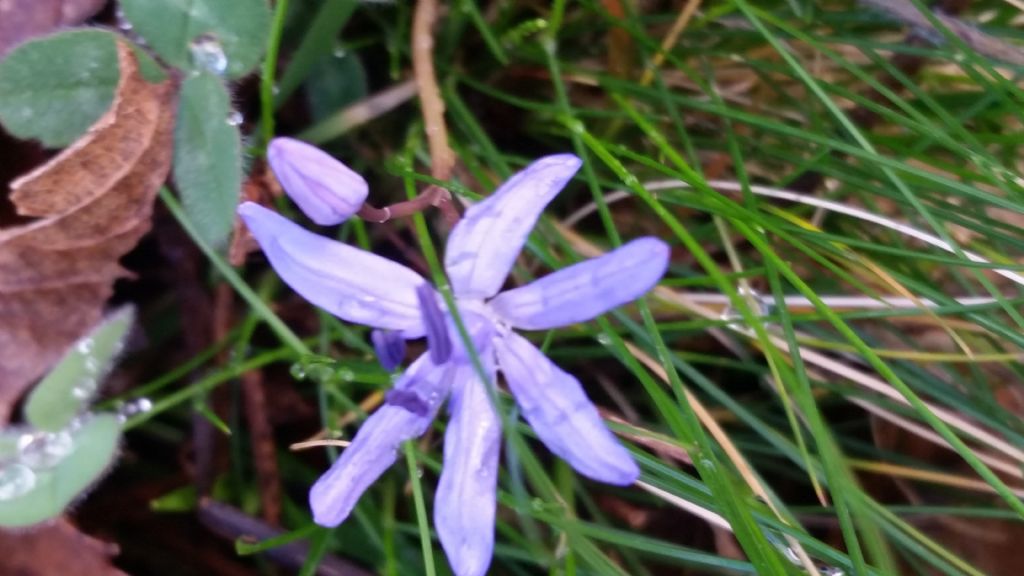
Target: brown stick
263,452
232,523
982,43
441,156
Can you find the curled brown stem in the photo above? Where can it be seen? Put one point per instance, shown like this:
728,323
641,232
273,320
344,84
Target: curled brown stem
441,155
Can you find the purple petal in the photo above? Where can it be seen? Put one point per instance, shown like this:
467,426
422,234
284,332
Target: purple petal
375,446
325,189
587,289
554,404
350,283
434,321
390,348
484,244
481,331
466,495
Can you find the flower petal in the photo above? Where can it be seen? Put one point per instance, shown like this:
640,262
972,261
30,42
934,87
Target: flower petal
350,283
325,189
554,404
587,289
484,244
435,323
466,495
375,446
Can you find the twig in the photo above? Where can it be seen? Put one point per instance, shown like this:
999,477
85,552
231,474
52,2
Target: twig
982,43
232,523
670,39
441,156
262,446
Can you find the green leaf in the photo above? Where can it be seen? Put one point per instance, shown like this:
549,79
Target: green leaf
67,390
32,490
52,89
208,157
212,35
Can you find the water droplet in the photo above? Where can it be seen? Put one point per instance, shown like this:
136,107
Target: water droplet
352,308
298,371
275,89
85,346
15,480
44,449
339,53
122,21
207,54
604,339
137,406
92,365
419,472
346,375
83,390
235,118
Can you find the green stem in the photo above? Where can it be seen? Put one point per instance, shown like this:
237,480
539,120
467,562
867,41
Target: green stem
251,298
267,80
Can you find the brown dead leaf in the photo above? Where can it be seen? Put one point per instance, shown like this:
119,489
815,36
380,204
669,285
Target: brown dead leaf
24,19
58,548
94,201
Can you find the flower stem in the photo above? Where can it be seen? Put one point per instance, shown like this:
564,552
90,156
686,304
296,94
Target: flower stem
269,75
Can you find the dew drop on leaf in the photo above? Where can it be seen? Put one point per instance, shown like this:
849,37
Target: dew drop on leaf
15,479
207,54
43,450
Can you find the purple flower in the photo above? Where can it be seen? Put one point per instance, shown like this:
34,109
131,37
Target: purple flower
326,190
360,287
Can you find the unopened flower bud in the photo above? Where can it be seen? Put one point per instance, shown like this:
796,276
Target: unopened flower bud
325,189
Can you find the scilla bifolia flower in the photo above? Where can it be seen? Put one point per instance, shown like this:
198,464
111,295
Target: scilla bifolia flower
360,287
326,190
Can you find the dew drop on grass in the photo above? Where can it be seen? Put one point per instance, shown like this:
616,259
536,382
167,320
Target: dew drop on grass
235,118
137,406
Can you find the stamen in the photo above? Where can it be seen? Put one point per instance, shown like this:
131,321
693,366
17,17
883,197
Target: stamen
409,400
434,321
389,346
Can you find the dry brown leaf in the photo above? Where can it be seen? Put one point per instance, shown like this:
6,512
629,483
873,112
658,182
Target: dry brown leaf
94,201
24,19
58,548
